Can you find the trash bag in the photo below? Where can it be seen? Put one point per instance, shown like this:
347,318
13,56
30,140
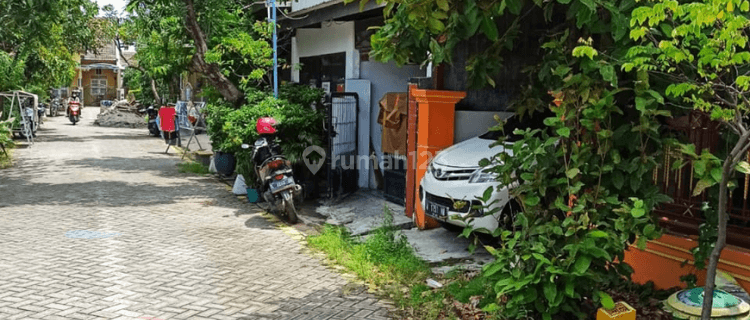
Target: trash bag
212,165
240,188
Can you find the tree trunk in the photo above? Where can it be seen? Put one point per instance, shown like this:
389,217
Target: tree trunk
157,100
211,70
721,241
727,169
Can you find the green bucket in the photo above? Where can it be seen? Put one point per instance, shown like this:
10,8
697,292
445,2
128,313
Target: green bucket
252,195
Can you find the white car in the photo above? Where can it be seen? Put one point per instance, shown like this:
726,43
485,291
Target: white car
453,181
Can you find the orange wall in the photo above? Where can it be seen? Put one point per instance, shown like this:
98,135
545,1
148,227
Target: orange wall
661,261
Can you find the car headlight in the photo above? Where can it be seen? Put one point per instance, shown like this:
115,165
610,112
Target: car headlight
430,169
482,176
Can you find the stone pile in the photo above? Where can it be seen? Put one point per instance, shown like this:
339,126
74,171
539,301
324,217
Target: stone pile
120,114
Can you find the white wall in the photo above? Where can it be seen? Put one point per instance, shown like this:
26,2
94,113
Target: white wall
331,37
385,77
469,124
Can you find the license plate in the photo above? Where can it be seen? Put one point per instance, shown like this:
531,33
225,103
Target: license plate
278,184
435,210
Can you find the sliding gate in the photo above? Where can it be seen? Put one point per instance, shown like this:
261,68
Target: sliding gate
343,108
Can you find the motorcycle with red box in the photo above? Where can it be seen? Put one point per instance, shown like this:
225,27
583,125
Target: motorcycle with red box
274,172
74,107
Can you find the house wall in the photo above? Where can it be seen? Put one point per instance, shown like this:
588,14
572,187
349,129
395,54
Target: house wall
470,124
331,37
661,262
385,77
86,76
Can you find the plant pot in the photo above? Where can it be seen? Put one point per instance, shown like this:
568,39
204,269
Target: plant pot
224,162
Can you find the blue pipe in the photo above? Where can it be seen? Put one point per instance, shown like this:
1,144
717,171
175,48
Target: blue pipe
275,59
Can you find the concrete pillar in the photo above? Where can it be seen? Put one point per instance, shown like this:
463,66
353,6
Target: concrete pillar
435,124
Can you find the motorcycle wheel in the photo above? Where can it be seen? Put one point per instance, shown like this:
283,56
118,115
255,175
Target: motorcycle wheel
73,119
291,211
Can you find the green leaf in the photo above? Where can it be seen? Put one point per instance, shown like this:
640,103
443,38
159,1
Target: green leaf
487,194
608,74
590,4
702,185
530,294
743,167
649,230
436,25
582,264
514,6
564,132
599,253
606,300
637,212
443,5
597,234
700,167
466,233
581,51
618,180
569,288
489,28
492,269
550,291
532,200
716,174
571,173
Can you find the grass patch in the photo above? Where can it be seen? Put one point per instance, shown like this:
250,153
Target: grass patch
192,167
6,161
386,261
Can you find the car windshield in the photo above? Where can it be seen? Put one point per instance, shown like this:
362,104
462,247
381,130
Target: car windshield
513,123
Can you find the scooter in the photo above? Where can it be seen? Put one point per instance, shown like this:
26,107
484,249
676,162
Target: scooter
29,120
54,106
274,172
40,112
74,106
74,111
151,113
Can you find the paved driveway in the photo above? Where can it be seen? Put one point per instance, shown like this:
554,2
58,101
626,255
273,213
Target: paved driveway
96,223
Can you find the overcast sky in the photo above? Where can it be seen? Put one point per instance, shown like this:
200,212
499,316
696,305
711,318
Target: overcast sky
118,4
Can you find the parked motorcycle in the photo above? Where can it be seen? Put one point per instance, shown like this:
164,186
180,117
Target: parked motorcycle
274,172
29,119
151,114
40,112
54,106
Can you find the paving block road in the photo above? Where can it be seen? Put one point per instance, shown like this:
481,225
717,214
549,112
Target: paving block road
97,223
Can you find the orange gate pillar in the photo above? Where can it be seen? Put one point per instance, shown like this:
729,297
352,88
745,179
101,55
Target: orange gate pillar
435,122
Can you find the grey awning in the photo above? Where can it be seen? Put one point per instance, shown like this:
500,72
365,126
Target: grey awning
107,66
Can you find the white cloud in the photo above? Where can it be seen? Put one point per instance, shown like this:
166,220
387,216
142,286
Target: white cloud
118,4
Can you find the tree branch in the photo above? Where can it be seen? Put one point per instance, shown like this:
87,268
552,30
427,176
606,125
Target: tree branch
211,70
154,91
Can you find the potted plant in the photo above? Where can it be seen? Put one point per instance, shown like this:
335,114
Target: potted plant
224,159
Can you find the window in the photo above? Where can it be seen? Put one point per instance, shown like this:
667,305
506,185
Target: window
98,86
98,71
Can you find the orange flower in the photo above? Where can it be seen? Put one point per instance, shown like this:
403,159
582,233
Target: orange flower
558,97
571,201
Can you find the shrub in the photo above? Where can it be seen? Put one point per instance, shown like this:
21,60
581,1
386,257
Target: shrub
585,187
299,126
